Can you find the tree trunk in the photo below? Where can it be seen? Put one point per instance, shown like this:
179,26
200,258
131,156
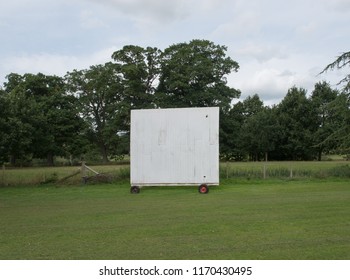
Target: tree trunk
13,160
50,160
319,156
104,154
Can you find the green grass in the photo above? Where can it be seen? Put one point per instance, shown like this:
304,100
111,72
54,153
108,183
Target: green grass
232,170
285,169
240,219
45,175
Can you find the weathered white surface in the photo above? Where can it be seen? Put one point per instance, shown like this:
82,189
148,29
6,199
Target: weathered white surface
175,146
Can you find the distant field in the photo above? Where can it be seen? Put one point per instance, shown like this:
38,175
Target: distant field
286,169
43,175
241,219
232,170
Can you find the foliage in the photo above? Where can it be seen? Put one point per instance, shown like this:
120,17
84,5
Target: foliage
342,134
298,121
323,99
194,75
139,70
259,134
42,119
100,95
4,126
342,61
86,114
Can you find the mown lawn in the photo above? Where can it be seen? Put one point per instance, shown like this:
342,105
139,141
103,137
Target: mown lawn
240,219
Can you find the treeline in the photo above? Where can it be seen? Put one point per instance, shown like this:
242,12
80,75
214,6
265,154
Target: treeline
86,113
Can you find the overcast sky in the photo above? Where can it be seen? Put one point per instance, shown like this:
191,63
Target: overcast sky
277,43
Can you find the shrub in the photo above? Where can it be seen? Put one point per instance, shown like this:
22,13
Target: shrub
342,171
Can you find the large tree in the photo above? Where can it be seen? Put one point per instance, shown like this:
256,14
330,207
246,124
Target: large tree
298,122
322,98
19,130
100,94
259,134
339,139
342,135
138,72
139,68
236,136
42,119
230,126
194,74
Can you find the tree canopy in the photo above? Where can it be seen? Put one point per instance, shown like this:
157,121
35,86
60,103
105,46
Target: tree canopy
194,75
86,113
342,134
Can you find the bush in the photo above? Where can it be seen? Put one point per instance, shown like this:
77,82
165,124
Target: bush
342,171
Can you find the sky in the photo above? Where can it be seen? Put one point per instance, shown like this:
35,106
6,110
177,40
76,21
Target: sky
277,44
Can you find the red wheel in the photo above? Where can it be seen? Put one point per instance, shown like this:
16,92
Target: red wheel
203,189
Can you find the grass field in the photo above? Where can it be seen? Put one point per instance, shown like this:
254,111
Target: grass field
241,219
233,170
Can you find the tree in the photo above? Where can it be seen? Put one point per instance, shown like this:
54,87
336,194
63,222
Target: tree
339,139
342,139
19,134
234,139
342,61
4,126
298,121
140,69
259,134
43,120
322,98
252,105
100,94
139,72
230,127
194,75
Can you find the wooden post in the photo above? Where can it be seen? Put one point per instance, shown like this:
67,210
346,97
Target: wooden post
83,172
3,175
226,169
264,171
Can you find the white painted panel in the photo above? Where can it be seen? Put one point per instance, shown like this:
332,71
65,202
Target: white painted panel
175,146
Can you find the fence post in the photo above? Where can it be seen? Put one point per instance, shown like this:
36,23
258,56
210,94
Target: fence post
3,174
291,173
226,169
264,171
83,172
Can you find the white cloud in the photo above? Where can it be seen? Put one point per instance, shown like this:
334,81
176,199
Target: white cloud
262,53
244,26
90,21
54,64
272,79
268,83
148,10
276,43
342,6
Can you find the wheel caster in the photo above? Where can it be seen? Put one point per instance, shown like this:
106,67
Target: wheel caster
134,189
203,189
